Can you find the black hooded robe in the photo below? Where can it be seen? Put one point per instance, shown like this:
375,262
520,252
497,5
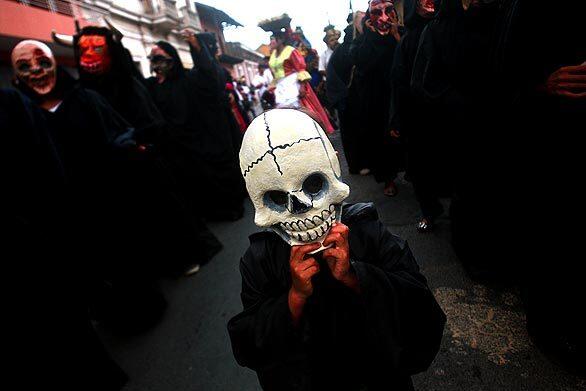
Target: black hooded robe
408,117
123,91
201,134
454,78
372,54
345,341
545,148
345,101
99,155
39,229
151,176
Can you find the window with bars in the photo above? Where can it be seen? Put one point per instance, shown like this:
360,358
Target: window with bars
59,6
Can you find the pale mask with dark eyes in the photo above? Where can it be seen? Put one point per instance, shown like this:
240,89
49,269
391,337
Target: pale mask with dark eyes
161,62
426,8
292,175
382,15
34,64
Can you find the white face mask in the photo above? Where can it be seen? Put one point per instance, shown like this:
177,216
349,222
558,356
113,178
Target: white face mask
292,174
34,64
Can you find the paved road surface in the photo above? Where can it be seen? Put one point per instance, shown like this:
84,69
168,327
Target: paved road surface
485,344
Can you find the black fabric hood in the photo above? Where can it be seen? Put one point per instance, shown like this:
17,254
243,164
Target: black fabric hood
450,8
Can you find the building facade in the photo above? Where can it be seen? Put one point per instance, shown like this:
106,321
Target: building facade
142,22
250,61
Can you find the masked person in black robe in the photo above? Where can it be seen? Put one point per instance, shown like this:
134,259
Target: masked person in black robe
332,300
228,120
202,137
96,147
105,66
372,54
541,59
38,228
407,114
339,77
454,80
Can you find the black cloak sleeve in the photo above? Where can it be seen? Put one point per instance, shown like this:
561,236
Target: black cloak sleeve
400,323
204,75
430,78
403,324
263,335
143,114
368,50
400,79
117,132
338,73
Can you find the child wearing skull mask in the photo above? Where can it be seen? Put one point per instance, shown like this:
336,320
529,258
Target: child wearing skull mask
331,299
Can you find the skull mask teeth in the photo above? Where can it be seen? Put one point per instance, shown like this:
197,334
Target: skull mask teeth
292,174
310,230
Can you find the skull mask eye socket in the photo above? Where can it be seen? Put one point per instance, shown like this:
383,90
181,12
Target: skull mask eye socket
276,199
23,67
45,63
313,184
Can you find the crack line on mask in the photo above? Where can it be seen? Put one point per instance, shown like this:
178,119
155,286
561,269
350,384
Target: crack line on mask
326,150
271,152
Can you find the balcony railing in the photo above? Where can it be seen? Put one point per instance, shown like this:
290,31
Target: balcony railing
166,17
169,9
58,6
190,19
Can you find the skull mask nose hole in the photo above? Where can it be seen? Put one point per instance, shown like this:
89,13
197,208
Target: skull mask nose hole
297,206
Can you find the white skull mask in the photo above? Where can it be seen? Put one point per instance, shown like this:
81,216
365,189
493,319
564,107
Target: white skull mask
292,174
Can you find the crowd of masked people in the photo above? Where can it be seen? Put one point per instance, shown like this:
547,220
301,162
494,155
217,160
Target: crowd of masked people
110,180
481,102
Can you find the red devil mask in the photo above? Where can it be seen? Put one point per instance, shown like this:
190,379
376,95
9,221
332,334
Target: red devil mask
34,65
94,54
382,15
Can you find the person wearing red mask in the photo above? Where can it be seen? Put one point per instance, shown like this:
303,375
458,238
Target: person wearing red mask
372,54
105,66
94,55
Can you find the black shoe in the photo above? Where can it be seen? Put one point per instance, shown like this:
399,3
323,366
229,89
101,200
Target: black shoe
425,225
